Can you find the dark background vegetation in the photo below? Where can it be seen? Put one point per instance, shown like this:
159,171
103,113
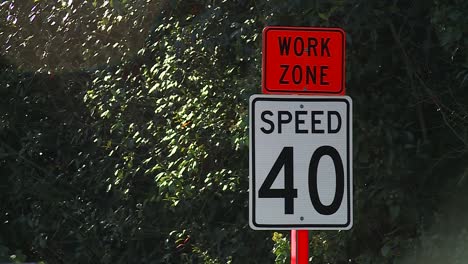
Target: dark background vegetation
123,130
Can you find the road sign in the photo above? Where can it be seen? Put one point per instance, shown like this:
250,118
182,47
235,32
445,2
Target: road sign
300,162
303,60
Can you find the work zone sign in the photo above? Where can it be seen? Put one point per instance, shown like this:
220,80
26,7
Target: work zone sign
303,60
300,162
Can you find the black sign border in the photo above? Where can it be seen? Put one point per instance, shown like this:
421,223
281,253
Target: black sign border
252,193
265,64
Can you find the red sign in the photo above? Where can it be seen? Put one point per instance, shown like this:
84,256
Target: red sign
303,60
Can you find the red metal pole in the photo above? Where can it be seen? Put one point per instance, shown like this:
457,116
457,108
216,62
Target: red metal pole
293,246
299,247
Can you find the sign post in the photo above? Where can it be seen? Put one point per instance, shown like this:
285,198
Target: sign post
299,246
302,61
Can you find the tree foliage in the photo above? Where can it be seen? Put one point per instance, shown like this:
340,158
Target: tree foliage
123,134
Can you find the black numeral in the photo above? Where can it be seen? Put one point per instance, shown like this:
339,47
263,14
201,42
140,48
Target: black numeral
339,189
285,160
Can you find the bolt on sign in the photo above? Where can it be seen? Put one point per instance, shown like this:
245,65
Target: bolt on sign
303,60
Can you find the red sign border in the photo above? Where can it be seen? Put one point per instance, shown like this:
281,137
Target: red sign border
264,60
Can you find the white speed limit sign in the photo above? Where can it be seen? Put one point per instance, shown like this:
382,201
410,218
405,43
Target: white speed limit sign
300,162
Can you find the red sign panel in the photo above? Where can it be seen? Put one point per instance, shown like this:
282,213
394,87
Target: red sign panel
303,60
